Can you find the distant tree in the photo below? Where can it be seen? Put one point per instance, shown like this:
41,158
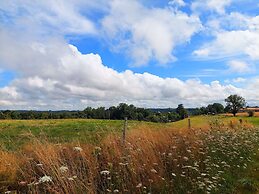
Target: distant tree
181,111
234,103
219,108
215,108
2,116
251,113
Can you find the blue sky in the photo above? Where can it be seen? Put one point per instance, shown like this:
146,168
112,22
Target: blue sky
69,55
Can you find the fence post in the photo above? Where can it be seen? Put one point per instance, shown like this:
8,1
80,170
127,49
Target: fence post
189,123
124,130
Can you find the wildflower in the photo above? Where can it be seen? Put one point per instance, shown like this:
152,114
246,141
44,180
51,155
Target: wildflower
123,164
174,174
105,172
22,182
116,191
63,169
98,148
45,179
7,192
153,170
139,185
78,149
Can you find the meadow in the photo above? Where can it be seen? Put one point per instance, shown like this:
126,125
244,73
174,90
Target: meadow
219,154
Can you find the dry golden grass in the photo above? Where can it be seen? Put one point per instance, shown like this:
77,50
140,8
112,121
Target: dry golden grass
242,114
9,167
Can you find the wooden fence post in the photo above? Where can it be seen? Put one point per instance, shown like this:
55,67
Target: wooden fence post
124,130
189,123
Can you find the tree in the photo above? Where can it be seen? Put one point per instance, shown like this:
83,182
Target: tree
234,103
215,108
181,111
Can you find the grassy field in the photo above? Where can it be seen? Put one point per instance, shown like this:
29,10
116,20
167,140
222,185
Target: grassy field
15,133
219,154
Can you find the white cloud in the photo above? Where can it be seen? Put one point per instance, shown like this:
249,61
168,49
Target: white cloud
72,80
177,3
239,66
231,43
148,33
234,35
48,16
54,75
239,80
217,6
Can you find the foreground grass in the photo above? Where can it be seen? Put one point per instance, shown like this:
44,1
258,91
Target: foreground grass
218,155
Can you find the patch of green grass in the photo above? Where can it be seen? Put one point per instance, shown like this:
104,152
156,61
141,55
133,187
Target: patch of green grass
15,133
253,120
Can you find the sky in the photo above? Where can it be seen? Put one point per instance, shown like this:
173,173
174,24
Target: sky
66,54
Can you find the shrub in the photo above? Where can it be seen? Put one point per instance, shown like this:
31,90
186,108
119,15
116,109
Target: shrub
251,113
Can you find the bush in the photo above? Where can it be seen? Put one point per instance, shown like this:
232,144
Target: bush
251,113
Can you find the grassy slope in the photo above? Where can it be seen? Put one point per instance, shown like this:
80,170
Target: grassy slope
14,133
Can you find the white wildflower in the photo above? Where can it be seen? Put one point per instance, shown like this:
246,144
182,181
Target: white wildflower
153,170
98,148
63,169
116,191
139,185
78,149
105,172
45,179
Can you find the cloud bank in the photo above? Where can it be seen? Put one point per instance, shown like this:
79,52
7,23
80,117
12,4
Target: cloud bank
51,73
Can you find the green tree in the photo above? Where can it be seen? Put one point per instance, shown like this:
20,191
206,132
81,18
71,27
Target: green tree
215,108
235,103
181,111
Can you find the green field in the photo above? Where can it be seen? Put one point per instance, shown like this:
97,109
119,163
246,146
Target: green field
15,133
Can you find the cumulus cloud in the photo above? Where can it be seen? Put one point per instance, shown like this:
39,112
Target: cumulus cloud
48,16
53,74
177,3
239,80
73,80
239,66
217,6
231,43
148,33
234,34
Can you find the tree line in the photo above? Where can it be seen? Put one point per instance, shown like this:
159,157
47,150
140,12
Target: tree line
234,104
114,113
